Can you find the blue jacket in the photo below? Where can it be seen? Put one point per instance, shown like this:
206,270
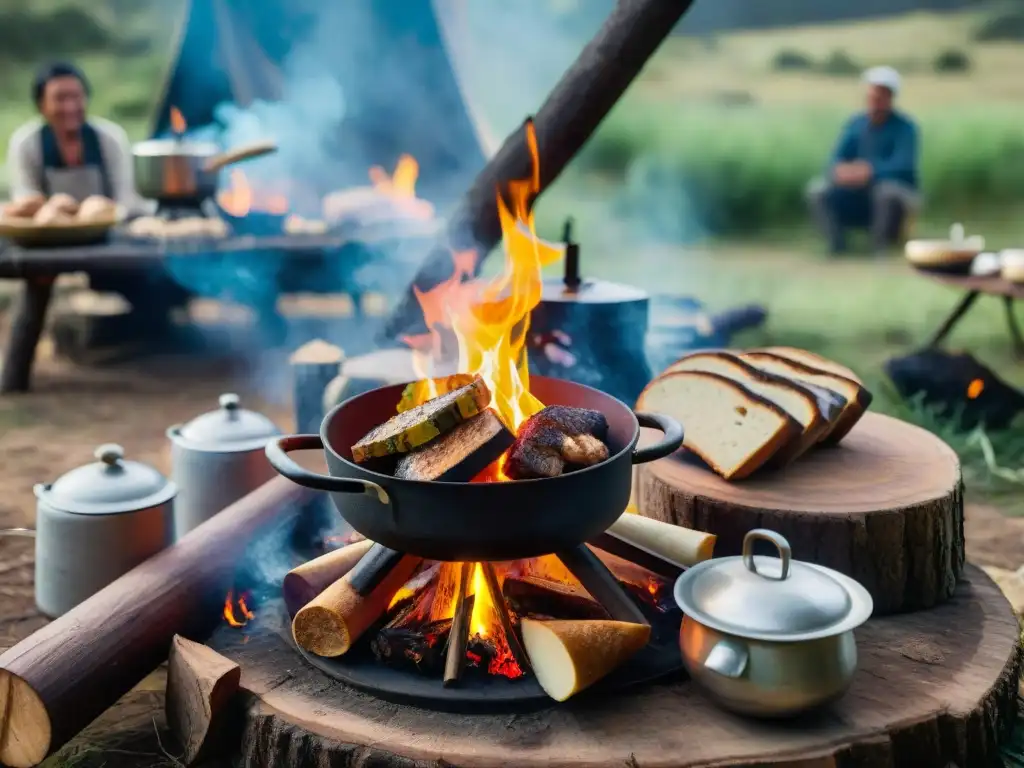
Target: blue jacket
891,148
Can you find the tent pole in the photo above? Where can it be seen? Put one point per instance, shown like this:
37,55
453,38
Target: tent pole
565,121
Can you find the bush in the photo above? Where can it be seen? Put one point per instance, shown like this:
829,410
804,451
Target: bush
1005,25
29,36
743,170
951,61
792,61
840,64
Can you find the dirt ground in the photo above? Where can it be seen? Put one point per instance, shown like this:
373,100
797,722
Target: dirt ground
72,409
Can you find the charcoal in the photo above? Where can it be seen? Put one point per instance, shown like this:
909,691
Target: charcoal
420,649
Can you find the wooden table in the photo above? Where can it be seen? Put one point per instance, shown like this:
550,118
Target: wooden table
39,268
974,286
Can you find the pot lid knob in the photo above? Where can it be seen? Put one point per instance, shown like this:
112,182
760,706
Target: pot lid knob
230,401
110,454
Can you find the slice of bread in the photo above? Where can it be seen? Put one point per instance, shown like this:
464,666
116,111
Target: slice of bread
857,397
788,395
804,357
733,430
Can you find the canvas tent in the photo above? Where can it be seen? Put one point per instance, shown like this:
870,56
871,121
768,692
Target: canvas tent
391,62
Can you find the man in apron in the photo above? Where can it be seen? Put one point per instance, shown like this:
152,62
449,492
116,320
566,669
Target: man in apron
67,152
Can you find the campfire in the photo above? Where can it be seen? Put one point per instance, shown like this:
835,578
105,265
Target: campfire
570,617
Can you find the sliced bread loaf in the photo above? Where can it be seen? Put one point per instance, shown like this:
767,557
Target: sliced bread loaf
857,397
804,357
788,395
733,430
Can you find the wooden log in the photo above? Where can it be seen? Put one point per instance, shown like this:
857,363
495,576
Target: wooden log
601,584
304,582
933,689
200,684
565,121
56,681
530,595
330,623
455,658
23,336
419,649
313,365
884,507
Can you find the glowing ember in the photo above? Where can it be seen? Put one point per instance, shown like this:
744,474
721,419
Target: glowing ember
975,388
178,124
237,612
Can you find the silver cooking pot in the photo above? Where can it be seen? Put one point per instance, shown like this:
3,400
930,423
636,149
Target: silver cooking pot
178,169
770,636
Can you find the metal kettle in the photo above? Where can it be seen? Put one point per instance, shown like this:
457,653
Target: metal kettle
216,459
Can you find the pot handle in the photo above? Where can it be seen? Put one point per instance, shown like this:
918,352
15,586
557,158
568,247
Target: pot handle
669,443
727,658
277,454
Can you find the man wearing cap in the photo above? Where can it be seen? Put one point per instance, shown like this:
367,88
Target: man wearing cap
872,176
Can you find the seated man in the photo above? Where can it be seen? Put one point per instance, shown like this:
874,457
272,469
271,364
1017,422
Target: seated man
65,151
872,176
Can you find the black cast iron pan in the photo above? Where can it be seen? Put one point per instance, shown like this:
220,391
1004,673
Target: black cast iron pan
477,521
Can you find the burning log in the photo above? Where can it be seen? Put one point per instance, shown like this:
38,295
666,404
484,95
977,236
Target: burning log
303,583
460,455
330,623
565,121
459,637
200,683
501,611
536,597
602,584
417,426
569,656
419,649
59,679
555,437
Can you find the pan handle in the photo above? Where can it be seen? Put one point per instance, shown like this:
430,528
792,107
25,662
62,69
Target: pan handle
277,454
670,441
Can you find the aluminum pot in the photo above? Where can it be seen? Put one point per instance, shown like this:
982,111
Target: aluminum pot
477,521
96,523
177,169
216,459
770,636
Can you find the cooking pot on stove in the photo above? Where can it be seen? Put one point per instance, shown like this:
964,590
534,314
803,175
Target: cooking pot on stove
477,521
770,636
94,524
178,169
216,459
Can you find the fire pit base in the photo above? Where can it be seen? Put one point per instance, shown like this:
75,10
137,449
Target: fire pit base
934,687
493,694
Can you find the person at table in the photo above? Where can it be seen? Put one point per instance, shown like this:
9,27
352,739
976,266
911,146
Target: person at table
872,177
66,151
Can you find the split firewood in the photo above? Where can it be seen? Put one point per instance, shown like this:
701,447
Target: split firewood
459,455
330,623
533,597
570,656
681,546
200,683
556,437
305,582
418,426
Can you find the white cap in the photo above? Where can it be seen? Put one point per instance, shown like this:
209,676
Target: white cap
887,77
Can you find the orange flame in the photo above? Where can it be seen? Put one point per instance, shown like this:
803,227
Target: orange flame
236,612
178,124
975,388
490,320
239,198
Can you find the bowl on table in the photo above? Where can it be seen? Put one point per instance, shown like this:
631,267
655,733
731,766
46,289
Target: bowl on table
952,256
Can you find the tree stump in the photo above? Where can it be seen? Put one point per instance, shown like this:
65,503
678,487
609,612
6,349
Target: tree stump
884,507
935,688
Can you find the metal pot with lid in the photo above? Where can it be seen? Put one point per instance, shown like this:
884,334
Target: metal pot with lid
177,169
770,636
216,459
95,524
